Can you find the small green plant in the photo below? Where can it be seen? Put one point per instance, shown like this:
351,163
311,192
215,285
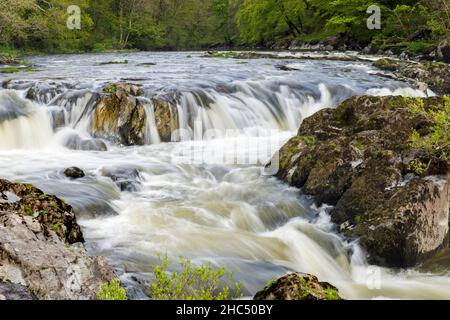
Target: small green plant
271,284
28,210
192,282
57,227
358,145
418,167
110,88
112,291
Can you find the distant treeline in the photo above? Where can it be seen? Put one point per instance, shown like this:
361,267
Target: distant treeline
190,24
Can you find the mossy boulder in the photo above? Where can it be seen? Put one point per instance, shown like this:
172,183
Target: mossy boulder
358,159
51,212
298,286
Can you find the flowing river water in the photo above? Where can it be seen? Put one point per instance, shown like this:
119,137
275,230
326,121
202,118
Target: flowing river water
227,213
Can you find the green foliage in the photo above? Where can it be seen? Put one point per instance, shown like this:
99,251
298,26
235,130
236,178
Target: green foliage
437,141
418,167
112,291
192,282
109,25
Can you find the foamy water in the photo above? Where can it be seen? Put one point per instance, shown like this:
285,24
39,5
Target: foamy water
206,208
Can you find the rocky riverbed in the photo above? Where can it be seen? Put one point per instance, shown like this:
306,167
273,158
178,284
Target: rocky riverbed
358,193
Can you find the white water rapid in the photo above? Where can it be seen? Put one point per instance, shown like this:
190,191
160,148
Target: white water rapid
211,209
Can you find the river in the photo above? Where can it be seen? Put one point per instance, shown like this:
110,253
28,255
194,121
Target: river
221,207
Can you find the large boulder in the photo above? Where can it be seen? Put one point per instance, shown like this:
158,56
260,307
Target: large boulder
122,117
41,250
359,159
298,286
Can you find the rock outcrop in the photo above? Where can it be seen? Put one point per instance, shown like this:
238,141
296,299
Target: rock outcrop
359,159
122,117
41,250
298,286
432,75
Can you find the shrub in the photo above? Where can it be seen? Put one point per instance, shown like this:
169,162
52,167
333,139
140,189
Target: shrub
192,282
112,291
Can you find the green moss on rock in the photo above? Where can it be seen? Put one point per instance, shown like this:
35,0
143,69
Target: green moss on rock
298,286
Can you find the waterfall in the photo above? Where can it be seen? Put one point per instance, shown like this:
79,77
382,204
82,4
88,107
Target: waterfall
151,135
23,124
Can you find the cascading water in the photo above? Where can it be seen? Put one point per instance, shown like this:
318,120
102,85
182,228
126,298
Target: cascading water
22,123
210,210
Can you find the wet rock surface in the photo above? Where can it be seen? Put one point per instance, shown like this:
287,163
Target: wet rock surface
74,173
432,75
126,179
166,117
298,286
358,159
120,116
41,250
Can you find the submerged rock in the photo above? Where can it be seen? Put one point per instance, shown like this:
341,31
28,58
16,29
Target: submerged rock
298,286
358,158
75,142
74,173
41,254
127,179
